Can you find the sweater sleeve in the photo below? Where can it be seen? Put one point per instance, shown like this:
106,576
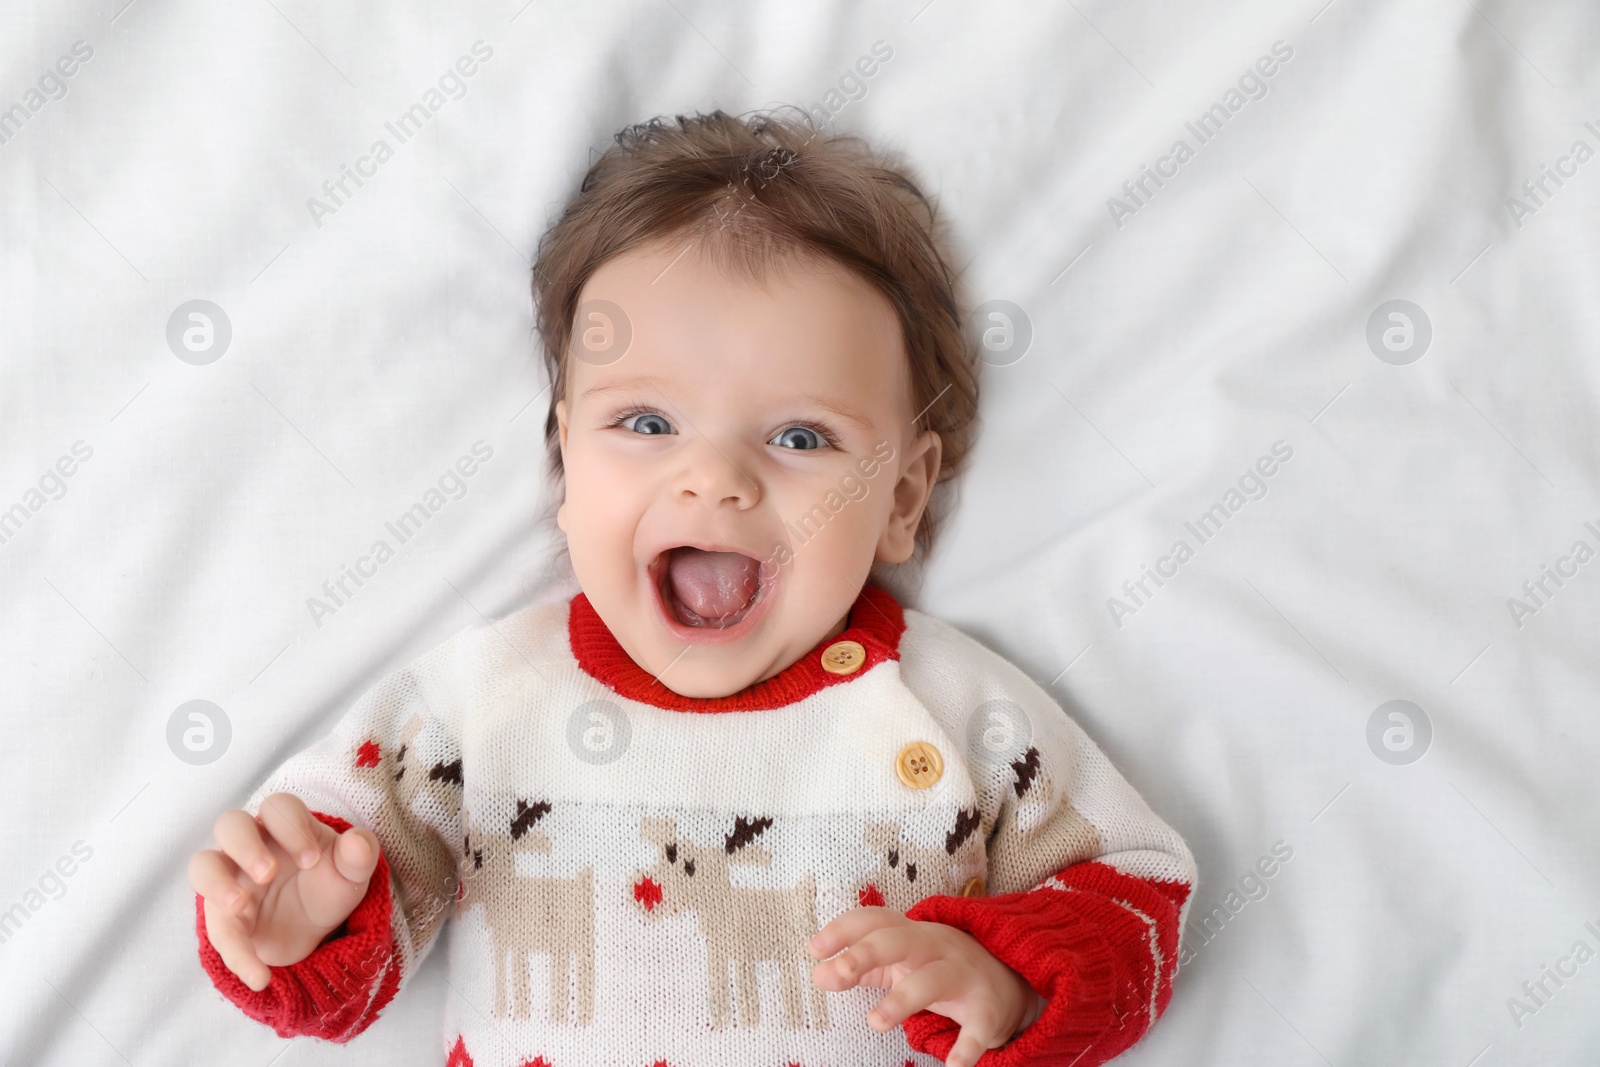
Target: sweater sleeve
1086,887
393,765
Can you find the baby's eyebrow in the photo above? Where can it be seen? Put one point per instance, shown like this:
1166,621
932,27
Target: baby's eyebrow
622,385
835,409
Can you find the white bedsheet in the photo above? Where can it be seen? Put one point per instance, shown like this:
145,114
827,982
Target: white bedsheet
1175,340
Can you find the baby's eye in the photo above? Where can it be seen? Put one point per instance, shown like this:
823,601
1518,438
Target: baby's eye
647,422
798,437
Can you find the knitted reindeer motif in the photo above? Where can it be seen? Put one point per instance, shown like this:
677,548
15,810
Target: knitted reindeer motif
531,915
1041,820
741,926
400,781
1025,770
908,871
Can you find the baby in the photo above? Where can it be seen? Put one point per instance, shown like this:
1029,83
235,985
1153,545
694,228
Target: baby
709,809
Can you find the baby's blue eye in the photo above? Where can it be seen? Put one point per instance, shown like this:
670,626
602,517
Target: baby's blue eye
648,423
799,437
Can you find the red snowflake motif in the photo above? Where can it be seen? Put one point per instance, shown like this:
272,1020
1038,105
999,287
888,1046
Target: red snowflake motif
870,897
367,756
537,1061
458,1055
647,893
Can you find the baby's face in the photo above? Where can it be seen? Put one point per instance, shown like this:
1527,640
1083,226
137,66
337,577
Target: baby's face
731,479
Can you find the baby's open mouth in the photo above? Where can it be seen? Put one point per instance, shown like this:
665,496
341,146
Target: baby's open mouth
712,590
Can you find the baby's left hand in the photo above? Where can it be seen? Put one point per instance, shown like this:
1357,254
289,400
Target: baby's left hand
929,966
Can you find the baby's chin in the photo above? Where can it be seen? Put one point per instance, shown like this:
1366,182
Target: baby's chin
716,671
709,671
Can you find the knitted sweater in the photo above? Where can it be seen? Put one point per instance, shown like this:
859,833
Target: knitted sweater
633,874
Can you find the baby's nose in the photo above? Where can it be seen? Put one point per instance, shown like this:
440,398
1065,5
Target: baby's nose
712,477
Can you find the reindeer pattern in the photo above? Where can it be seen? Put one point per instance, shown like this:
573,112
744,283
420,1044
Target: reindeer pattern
401,778
910,870
529,916
541,896
742,926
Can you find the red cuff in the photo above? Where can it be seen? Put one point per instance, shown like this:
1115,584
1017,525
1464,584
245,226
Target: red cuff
338,990
1100,946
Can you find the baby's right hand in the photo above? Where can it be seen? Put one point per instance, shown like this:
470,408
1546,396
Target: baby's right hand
279,885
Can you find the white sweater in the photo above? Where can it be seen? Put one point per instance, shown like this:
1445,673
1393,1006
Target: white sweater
633,875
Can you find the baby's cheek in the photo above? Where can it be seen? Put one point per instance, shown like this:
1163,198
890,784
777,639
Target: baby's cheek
828,563
600,492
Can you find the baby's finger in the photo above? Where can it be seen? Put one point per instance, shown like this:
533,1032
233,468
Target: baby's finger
355,854
331,890
217,878
966,1050
295,829
882,947
233,945
241,841
922,987
849,928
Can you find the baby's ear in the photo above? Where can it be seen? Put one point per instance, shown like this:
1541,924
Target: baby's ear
561,442
919,470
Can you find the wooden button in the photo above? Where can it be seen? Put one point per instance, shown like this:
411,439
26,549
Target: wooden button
973,888
843,657
919,765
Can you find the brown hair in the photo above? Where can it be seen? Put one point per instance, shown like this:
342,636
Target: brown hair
763,191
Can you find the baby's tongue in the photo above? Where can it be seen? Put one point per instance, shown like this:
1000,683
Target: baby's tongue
712,584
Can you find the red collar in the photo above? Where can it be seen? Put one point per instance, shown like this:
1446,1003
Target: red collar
876,623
